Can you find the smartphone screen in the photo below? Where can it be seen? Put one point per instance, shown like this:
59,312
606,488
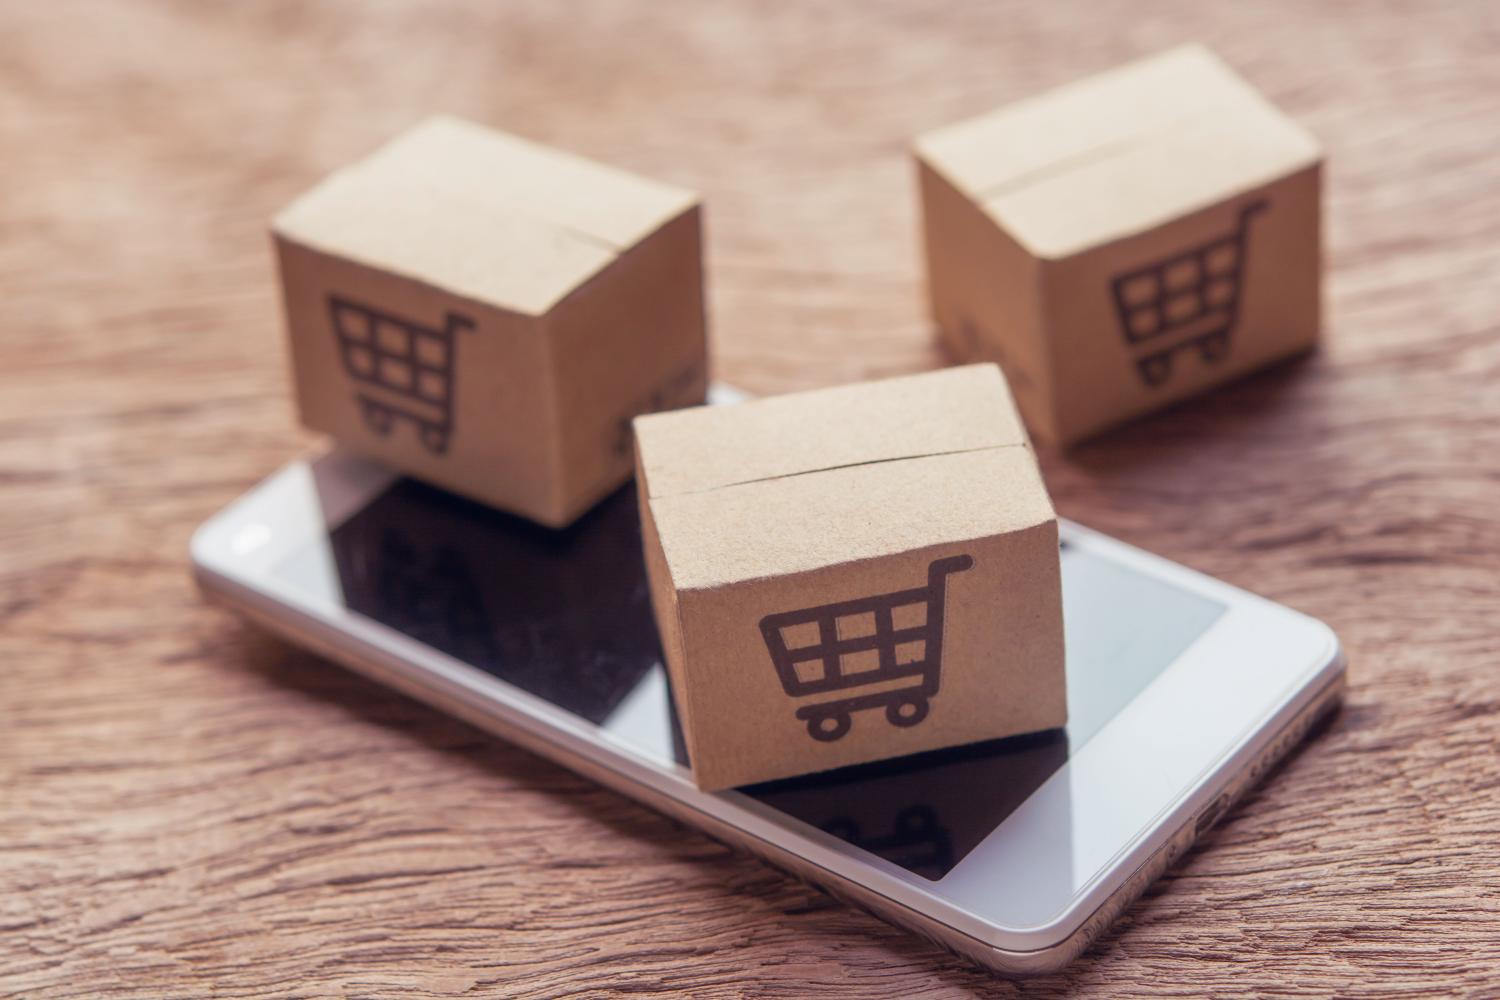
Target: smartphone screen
566,616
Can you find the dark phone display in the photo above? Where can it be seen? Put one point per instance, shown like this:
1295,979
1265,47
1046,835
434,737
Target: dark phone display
566,616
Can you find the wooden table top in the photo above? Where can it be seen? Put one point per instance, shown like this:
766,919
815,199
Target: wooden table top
191,808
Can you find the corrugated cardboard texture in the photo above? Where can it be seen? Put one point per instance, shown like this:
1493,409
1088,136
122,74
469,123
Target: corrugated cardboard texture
524,304
448,201
1098,375
794,524
510,430
1120,152
1093,182
981,281
844,495
629,341
962,409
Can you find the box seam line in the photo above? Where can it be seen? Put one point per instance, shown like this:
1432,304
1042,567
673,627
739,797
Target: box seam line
1101,152
845,465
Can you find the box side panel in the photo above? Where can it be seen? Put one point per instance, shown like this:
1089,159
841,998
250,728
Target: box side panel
312,353
933,647
1146,321
984,294
666,610
443,388
632,340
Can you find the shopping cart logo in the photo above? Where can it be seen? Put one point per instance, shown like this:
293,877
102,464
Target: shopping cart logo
402,370
872,652
1190,299
428,592
918,841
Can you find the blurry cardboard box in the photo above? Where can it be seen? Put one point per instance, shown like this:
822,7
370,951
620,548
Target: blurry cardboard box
1125,241
851,574
487,314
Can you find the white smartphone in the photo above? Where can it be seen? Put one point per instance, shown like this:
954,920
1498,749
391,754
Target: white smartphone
1015,853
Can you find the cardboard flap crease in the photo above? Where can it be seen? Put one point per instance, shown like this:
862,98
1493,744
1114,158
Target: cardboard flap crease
948,412
556,219
1120,152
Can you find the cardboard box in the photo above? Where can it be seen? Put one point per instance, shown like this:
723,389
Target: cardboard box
487,314
851,574
1124,242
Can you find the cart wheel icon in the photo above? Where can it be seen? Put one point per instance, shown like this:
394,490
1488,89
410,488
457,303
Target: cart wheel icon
1156,369
906,712
917,821
1214,347
435,439
827,728
378,418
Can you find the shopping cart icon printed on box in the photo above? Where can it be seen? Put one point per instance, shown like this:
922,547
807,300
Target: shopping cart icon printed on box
1190,299
872,652
403,370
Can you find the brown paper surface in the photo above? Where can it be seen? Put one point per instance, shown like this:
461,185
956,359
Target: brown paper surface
488,314
832,502
444,438
959,409
629,341
1099,189
985,292
1268,295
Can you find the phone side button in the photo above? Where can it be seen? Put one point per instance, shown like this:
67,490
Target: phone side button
1209,816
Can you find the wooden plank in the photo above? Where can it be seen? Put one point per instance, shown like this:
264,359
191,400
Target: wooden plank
191,808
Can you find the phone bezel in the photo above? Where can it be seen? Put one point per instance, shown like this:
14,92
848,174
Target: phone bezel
1253,671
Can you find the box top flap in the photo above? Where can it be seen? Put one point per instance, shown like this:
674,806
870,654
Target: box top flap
796,524
481,213
713,447
1120,152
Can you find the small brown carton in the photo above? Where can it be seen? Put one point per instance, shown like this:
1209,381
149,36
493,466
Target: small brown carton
1125,241
851,574
487,314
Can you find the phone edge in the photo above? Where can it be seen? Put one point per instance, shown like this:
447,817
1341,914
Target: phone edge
370,661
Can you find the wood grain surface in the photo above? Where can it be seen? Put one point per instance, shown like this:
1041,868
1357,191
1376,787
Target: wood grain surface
189,808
